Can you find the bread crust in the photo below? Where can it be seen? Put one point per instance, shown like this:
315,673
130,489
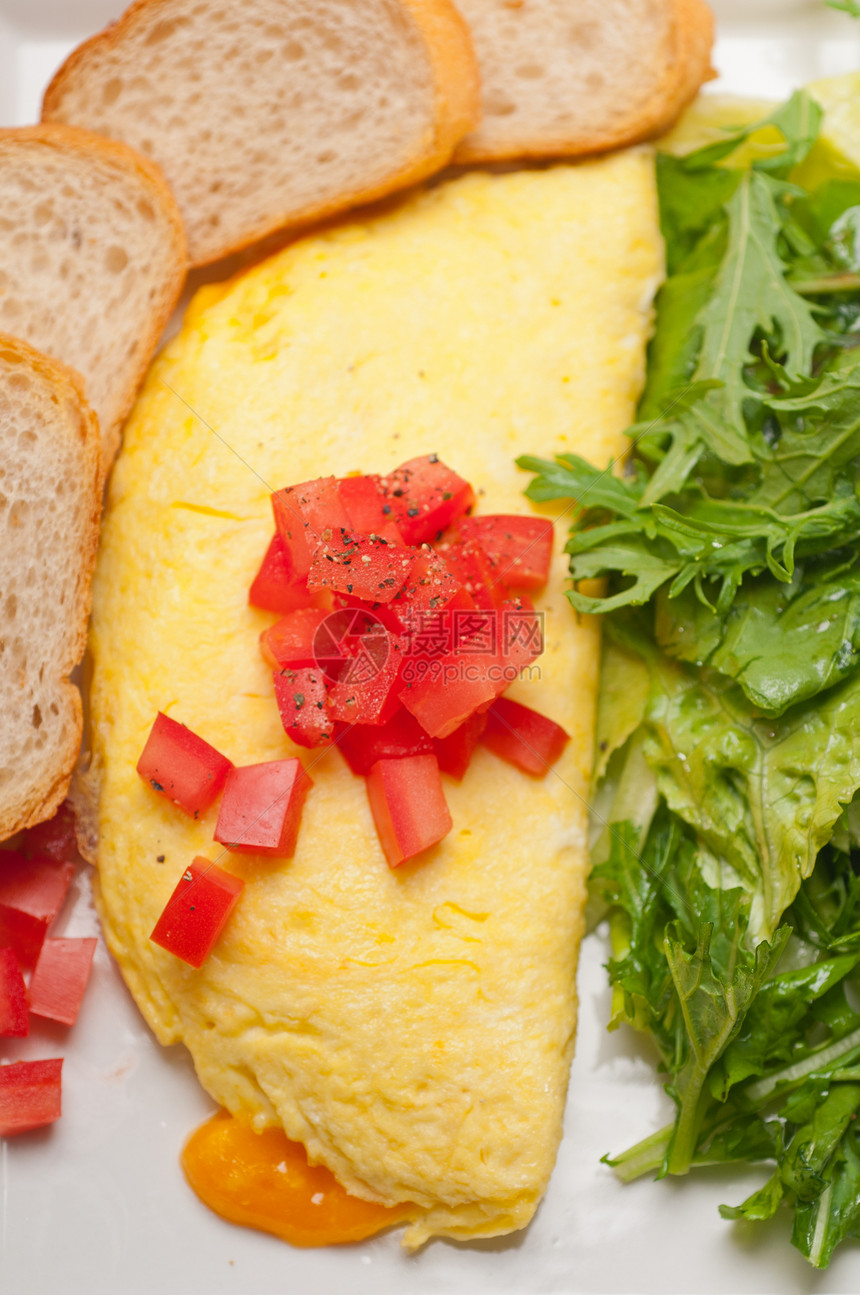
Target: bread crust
38,802
456,91
72,140
689,65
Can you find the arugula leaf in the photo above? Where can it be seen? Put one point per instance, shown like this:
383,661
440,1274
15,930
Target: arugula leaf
713,1008
751,293
762,794
782,643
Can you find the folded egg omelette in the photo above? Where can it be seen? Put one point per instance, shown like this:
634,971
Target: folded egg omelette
412,1028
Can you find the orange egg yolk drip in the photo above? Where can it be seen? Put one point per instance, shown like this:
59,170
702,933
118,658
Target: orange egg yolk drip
262,1180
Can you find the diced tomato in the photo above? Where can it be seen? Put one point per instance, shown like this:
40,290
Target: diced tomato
274,591
475,571
60,978
55,837
291,641
429,588
361,745
426,497
408,806
366,693
301,698
369,510
14,1015
383,612
455,752
305,516
261,809
197,911
479,670
520,548
181,766
524,737
520,634
454,688
367,566
31,894
430,635
30,1095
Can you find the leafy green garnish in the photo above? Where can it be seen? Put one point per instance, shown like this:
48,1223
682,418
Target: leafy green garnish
727,839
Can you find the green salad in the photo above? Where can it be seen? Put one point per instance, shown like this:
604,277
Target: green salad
727,820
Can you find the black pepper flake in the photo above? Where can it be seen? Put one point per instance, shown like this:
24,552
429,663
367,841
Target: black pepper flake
413,512
299,699
159,858
349,589
386,509
156,785
433,458
398,493
446,495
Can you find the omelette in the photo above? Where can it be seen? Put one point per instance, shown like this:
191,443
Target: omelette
412,1028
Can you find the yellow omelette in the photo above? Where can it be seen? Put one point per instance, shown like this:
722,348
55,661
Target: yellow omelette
412,1028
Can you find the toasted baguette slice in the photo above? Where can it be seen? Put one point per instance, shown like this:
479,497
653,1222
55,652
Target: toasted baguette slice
264,114
562,77
50,500
92,259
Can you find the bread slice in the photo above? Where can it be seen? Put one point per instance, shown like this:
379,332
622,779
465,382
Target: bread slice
562,77
50,500
265,114
92,259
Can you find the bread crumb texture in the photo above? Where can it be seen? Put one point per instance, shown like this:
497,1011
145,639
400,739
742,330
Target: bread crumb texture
562,77
49,504
92,259
261,113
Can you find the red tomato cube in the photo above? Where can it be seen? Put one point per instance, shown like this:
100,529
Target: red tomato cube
14,1014
306,516
361,745
524,737
408,806
55,837
429,588
301,697
475,570
455,687
455,751
292,641
30,1095
261,809
181,766
274,591
520,635
31,895
369,510
478,670
366,566
60,978
197,911
366,692
520,548
426,497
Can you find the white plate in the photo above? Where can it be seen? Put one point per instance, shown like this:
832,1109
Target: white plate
98,1204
